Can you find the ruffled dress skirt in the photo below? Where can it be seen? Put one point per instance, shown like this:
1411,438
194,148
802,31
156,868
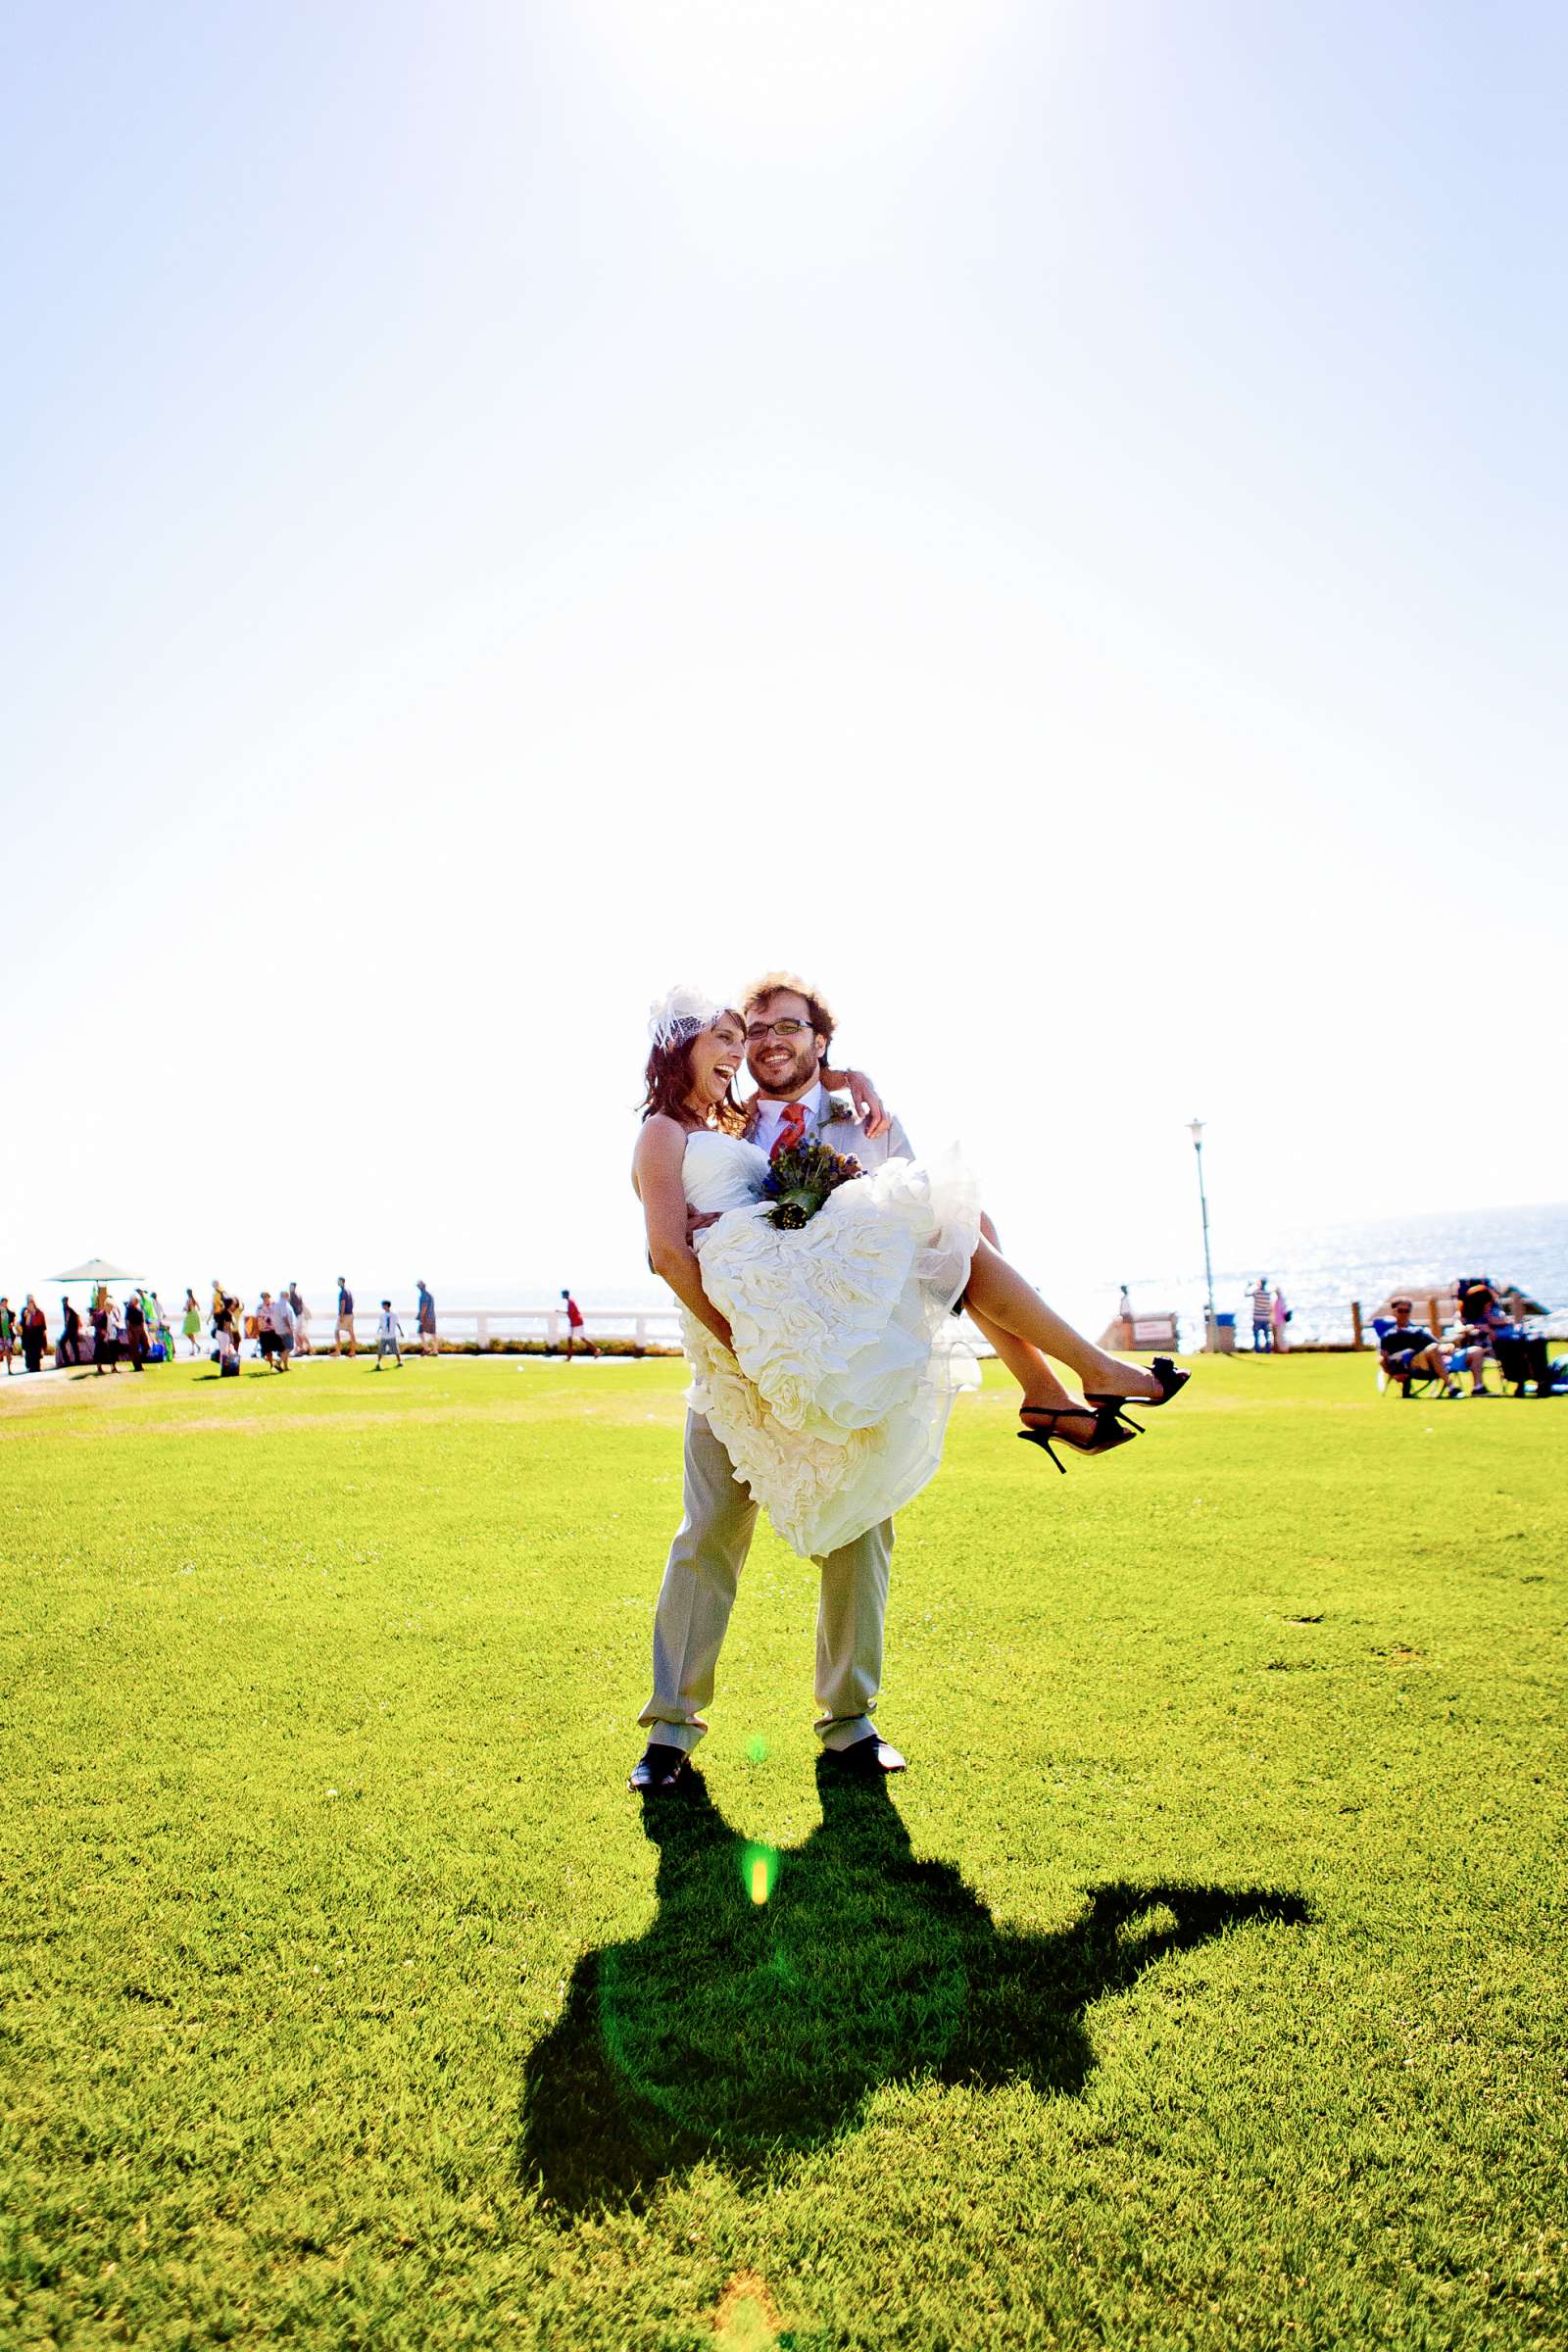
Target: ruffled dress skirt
833,1406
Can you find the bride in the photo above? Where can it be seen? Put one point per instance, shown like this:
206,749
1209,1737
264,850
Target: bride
825,1358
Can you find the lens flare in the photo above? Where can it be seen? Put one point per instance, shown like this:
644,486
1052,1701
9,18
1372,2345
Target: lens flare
760,1871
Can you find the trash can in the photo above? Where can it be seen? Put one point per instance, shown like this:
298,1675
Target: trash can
1222,1339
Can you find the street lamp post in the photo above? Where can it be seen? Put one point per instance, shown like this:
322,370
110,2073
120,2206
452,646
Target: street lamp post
1195,1131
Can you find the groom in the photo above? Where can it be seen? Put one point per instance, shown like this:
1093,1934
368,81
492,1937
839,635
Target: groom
788,1032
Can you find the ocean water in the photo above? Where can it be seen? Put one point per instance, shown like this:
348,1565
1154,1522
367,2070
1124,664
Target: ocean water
1321,1268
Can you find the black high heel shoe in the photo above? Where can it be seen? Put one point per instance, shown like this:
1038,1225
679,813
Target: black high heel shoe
1109,1435
1170,1378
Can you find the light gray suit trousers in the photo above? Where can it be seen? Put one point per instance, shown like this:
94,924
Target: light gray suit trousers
698,1594
705,1559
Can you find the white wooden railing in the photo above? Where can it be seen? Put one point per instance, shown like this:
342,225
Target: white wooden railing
482,1326
479,1326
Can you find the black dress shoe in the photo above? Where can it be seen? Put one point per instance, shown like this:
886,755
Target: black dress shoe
658,1769
869,1755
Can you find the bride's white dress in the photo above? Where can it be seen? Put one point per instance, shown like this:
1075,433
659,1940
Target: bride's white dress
834,1404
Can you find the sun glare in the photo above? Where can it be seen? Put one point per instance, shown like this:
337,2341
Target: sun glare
792,68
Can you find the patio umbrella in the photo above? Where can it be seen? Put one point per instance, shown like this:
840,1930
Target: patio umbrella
96,1269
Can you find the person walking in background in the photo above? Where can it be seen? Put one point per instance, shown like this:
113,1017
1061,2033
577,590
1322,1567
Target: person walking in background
388,1337
302,1320
1282,1316
282,1332
426,1322
1262,1317
72,1351
8,1335
105,1335
224,1308
35,1333
577,1330
191,1322
226,1331
345,1318
136,1331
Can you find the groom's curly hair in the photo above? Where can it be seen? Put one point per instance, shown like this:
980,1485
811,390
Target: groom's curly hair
772,983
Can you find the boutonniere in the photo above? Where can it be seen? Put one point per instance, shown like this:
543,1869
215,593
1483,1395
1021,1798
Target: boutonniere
839,1107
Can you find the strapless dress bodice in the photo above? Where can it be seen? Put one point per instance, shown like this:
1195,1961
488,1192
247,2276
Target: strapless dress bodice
722,1171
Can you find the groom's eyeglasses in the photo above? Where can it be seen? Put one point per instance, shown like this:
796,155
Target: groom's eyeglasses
785,1029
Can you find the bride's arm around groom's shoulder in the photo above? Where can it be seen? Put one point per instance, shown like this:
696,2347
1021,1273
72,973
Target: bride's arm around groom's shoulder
657,1172
864,1103
870,1144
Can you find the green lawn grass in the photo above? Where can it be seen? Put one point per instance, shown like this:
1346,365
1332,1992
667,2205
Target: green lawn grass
1200,1984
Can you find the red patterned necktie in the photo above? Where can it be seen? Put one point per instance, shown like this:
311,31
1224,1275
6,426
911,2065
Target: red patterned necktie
792,1130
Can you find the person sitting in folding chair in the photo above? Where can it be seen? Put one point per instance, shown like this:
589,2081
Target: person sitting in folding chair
1414,1358
1494,1331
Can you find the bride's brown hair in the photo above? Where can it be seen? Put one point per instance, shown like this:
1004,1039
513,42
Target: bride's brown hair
667,1080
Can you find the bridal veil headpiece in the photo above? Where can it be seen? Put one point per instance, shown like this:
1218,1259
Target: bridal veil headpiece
681,1014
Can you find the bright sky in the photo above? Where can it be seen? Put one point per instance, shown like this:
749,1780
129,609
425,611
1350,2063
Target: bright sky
1047,517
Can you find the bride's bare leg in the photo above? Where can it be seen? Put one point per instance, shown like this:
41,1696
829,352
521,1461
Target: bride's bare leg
1043,1392
999,1296
1027,1365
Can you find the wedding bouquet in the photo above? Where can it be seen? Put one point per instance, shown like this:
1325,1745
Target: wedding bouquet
801,1179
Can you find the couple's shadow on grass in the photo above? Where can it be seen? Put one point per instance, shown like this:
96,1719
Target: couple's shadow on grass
737,2029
